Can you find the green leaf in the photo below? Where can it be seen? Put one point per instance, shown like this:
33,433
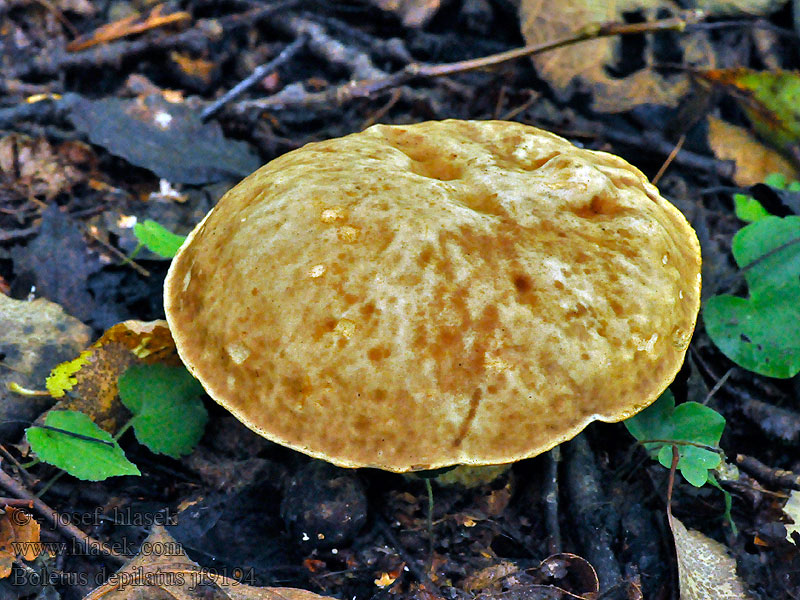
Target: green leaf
748,208
762,333
770,101
169,417
689,422
82,458
157,238
776,180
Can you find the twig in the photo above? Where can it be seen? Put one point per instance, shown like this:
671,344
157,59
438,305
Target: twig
111,55
86,541
16,502
371,87
329,48
669,160
257,75
595,528
771,476
654,142
379,114
717,386
533,97
126,259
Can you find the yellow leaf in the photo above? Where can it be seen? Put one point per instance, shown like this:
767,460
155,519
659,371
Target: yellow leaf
61,377
93,375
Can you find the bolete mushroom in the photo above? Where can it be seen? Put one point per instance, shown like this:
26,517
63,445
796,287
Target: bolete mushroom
454,292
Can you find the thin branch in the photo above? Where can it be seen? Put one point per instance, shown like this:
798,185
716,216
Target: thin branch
69,530
368,88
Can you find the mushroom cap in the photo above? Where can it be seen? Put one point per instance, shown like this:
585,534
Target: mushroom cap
450,292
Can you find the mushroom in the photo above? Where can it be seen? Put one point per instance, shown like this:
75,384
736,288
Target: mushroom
450,292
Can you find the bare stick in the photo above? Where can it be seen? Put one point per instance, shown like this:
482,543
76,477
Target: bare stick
371,87
69,530
257,75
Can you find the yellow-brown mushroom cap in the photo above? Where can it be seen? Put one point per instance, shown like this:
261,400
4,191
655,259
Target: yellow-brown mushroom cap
411,297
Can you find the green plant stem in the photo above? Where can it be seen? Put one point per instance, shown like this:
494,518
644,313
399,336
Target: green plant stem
124,428
49,484
715,449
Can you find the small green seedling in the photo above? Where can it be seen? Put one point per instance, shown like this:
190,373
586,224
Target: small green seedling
761,333
168,418
694,429
156,238
692,426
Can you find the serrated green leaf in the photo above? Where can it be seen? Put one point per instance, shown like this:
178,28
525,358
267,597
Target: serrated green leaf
82,458
689,422
169,417
762,333
157,238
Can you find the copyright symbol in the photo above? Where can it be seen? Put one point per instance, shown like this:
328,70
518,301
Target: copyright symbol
20,518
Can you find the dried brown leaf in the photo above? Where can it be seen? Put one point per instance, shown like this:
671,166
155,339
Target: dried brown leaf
584,66
19,538
754,161
413,13
129,25
162,570
705,570
33,167
123,345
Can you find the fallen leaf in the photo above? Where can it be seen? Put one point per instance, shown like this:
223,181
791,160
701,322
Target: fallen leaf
94,390
162,570
771,101
70,441
792,510
413,13
34,337
705,570
19,538
584,66
59,263
165,137
127,26
491,578
34,167
754,161
197,68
